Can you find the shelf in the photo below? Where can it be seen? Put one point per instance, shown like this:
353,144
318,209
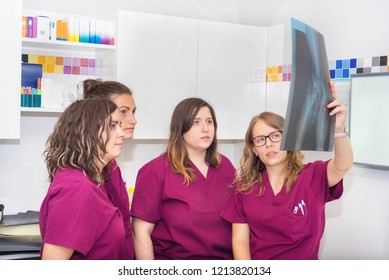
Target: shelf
41,110
65,45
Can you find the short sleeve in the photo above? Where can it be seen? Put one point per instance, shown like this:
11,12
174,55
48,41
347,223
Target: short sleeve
74,219
149,185
233,211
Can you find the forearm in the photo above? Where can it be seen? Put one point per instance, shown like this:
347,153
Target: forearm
241,241
143,244
143,248
343,152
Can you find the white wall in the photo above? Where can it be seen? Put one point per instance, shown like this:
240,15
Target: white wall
357,224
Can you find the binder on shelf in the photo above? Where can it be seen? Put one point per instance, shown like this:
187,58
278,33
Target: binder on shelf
84,29
30,27
53,30
43,28
30,74
24,26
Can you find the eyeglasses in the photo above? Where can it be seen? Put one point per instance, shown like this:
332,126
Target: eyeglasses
260,141
1,212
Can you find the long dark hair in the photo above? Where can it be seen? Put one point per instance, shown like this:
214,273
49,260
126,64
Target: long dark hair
181,122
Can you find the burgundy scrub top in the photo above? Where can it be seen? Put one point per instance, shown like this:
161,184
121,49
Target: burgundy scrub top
118,195
186,217
286,226
76,213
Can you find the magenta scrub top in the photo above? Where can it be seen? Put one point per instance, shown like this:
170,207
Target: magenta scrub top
117,193
186,217
286,226
77,214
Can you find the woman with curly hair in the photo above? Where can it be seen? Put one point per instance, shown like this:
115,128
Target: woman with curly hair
77,219
278,210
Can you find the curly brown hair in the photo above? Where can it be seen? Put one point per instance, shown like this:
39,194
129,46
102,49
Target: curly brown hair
77,138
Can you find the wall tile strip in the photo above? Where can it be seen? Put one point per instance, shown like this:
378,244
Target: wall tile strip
339,69
62,65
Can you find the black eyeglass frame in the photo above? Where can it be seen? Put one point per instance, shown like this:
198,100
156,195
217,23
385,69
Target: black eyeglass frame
267,137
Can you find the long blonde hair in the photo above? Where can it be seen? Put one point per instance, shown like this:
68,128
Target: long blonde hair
251,167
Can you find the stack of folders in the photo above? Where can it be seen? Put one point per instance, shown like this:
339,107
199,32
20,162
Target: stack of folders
20,236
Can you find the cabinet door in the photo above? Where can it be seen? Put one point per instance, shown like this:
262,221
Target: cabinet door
156,58
10,30
229,62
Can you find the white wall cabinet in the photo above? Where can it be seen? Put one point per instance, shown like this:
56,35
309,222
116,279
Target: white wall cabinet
157,59
165,59
10,30
229,58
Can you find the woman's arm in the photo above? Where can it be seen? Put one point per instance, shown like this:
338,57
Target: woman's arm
343,153
55,252
241,241
142,239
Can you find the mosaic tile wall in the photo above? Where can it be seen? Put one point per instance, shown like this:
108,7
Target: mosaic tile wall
62,65
339,69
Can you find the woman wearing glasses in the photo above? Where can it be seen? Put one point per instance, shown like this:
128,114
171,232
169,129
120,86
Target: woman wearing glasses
278,209
114,184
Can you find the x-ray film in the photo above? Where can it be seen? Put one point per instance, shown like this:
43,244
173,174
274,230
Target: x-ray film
307,123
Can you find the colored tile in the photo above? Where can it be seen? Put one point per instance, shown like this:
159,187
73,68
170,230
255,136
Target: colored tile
91,71
375,61
92,62
359,70
338,74
50,60
67,69
339,64
44,67
67,61
346,74
59,60
353,63
83,70
25,58
279,69
383,60
367,70
279,77
49,68
76,61
75,70
32,58
332,74
41,59
346,63
84,62
58,69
